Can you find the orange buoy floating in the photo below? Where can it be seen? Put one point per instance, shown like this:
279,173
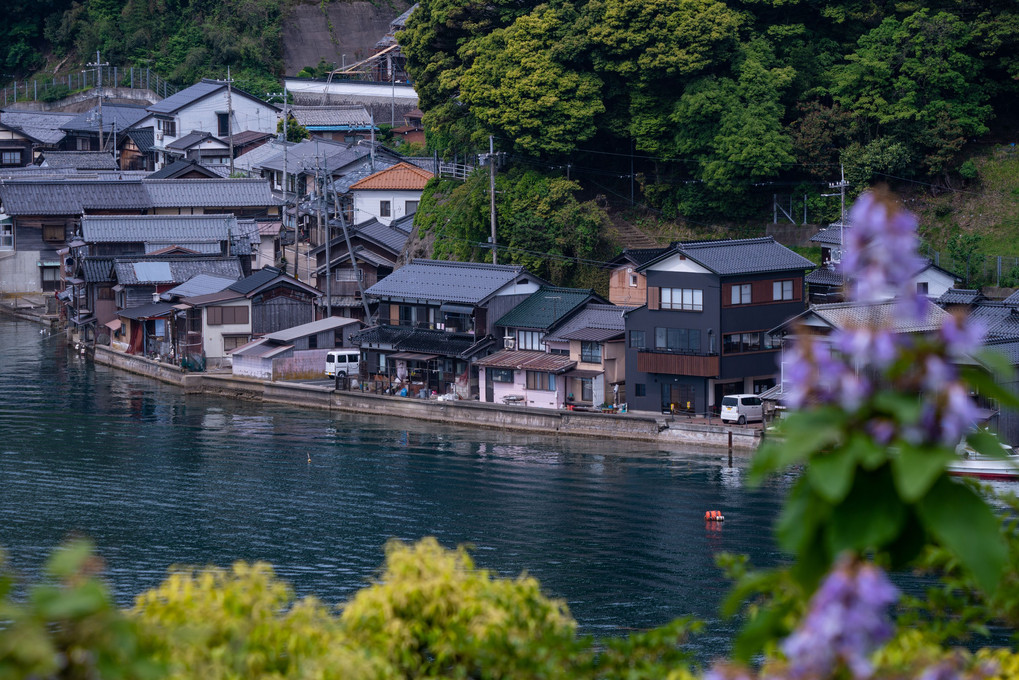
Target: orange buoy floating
714,516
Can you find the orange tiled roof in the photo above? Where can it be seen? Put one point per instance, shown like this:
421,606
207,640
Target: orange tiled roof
401,176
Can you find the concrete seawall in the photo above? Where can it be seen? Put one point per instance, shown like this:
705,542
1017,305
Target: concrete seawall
466,413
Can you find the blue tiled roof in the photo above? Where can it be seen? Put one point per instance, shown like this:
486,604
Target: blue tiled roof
447,281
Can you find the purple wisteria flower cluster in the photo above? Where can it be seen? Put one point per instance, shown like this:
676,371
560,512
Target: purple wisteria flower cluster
847,620
879,262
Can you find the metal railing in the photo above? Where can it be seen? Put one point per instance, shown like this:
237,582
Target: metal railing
60,86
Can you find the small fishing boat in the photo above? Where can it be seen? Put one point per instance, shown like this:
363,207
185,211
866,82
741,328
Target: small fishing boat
971,463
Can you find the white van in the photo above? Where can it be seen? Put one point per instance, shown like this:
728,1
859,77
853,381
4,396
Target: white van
742,408
343,362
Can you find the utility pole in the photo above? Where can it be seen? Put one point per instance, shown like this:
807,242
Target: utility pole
350,254
841,186
323,207
286,189
99,95
230,116
491,192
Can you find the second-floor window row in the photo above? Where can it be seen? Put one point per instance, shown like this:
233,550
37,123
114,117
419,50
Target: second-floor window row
687,299
678,339
590,352
756,341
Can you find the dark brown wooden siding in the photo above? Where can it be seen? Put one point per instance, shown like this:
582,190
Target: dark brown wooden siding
677,364
761,291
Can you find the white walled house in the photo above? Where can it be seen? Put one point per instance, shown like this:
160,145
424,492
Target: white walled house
389,194
205,107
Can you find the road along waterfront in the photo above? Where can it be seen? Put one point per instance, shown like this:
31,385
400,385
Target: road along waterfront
157,477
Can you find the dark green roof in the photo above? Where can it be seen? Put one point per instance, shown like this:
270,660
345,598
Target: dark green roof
545,307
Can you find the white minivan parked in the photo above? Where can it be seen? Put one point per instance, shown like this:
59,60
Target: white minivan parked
343,362
742,408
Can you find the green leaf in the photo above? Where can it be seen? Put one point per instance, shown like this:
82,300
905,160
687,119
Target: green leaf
69,559
905,408
995,362
989,388
801,434
954,514
831,474
986,443
870,517
915,469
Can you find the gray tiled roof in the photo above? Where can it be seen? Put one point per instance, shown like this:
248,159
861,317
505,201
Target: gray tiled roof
44,126
121,116
210,193
743,256
190,139
253,159
960,296
344,117
393,238
1002,319
545,307
165,229
365,168
143,138
887,314
825,275
594,317
1009,348
177,269
640,256
1012,299
81,160
73,195
446,281
830,235
97,269
183,166
403,338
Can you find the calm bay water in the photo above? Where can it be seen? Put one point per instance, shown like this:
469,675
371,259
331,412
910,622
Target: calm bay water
156,477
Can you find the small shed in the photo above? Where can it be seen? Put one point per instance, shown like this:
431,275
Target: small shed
294,353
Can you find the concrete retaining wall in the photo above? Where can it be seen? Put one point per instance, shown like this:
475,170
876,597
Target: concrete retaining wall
465,413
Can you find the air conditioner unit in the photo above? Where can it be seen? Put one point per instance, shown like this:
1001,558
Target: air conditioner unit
159,136
509,343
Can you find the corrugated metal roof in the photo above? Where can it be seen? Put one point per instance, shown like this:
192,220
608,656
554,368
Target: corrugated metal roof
187,96
153,272
153,309
446,281
545,307
163,229
527,360
202,284
81,160
311,154
400,177
328,323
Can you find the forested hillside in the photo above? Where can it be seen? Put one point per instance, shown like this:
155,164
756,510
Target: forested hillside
183,40
722,102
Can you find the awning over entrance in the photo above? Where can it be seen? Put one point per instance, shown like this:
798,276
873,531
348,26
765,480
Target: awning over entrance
583,373
457,309
412,356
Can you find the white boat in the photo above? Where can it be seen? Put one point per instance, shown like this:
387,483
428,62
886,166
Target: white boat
974,464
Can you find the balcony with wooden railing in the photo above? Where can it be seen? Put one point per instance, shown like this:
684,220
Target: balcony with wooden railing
675,363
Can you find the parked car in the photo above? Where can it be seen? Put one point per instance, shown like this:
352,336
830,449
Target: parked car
742,408
343,362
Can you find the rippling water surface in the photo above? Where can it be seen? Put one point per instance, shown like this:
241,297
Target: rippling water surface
156,477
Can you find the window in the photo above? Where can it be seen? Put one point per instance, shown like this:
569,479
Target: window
633,280
219,316
741,294
590,352
223,119
638,339
313,342
560,352
410,207
10,158
169,127
50,278
687,299
6,235
678,339
734,343
53,232
782,290
503,375
540,380
530,340
586,389
232,342
640,390
385,208
921,287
